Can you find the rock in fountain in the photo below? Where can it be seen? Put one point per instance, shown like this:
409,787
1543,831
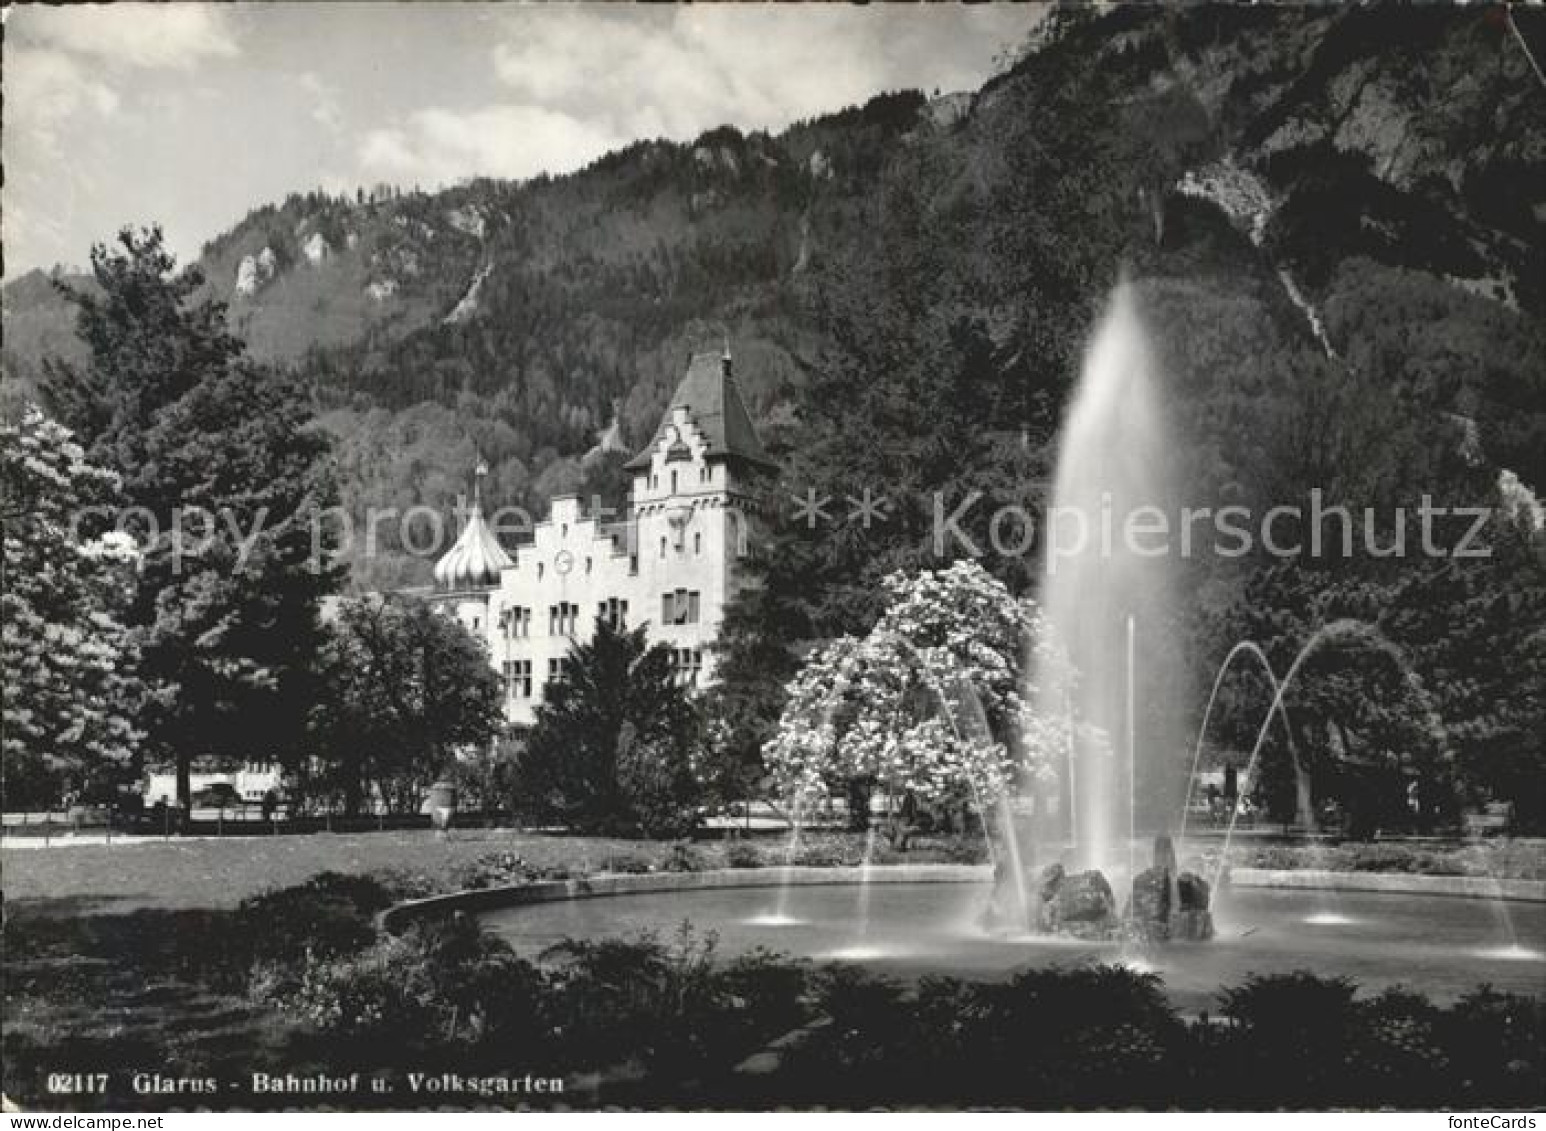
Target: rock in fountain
1167,903
1082,906
1151,904
1192,920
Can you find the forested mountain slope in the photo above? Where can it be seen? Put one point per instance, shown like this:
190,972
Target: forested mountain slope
1302,194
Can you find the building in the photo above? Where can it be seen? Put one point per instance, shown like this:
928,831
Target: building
250,781
669,564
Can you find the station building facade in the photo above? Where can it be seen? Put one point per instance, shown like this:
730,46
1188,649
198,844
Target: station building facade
671,563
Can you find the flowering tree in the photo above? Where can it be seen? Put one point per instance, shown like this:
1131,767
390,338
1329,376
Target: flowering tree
936,703
70,700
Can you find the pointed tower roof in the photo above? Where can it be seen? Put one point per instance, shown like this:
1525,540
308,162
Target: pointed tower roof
477,558
709,394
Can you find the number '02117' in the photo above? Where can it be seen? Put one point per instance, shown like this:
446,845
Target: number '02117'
71,1083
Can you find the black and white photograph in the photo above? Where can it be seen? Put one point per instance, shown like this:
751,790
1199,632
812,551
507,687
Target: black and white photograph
751,557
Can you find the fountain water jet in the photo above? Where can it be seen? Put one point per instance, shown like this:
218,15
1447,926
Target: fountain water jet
1114,460
1242,648
1325,632
1324,916
780,916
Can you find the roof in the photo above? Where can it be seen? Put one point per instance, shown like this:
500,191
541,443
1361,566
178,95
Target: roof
708,392
476,559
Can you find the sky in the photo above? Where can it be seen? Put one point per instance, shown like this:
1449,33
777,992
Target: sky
191,114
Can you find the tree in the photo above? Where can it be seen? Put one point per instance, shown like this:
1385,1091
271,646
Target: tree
406,689
932,705
225,480
615,742
71,700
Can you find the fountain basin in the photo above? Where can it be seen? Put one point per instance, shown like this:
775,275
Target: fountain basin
916,927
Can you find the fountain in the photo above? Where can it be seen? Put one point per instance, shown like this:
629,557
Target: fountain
1109,605
1107,597
779,916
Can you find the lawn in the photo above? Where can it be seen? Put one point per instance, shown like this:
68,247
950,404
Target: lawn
218,873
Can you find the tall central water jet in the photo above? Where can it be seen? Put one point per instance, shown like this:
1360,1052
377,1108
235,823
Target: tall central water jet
1108,545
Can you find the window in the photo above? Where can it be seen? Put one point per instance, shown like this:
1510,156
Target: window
614,613
662,545
697,542
516,621
680,607
563,618
518,679
587,564
673,482
633,565
686,666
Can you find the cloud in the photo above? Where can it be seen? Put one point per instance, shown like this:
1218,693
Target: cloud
48,87
325,109
582,79
438,145
676,71
178,35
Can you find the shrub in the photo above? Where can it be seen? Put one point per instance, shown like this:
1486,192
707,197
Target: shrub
628,863
329,915
1398,1046
828,852
861,1053
615,999
401,884
378,992
1292,1034
440,984
1498,1046
742,854
683,857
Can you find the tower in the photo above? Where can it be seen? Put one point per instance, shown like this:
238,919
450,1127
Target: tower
468,572
693,488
